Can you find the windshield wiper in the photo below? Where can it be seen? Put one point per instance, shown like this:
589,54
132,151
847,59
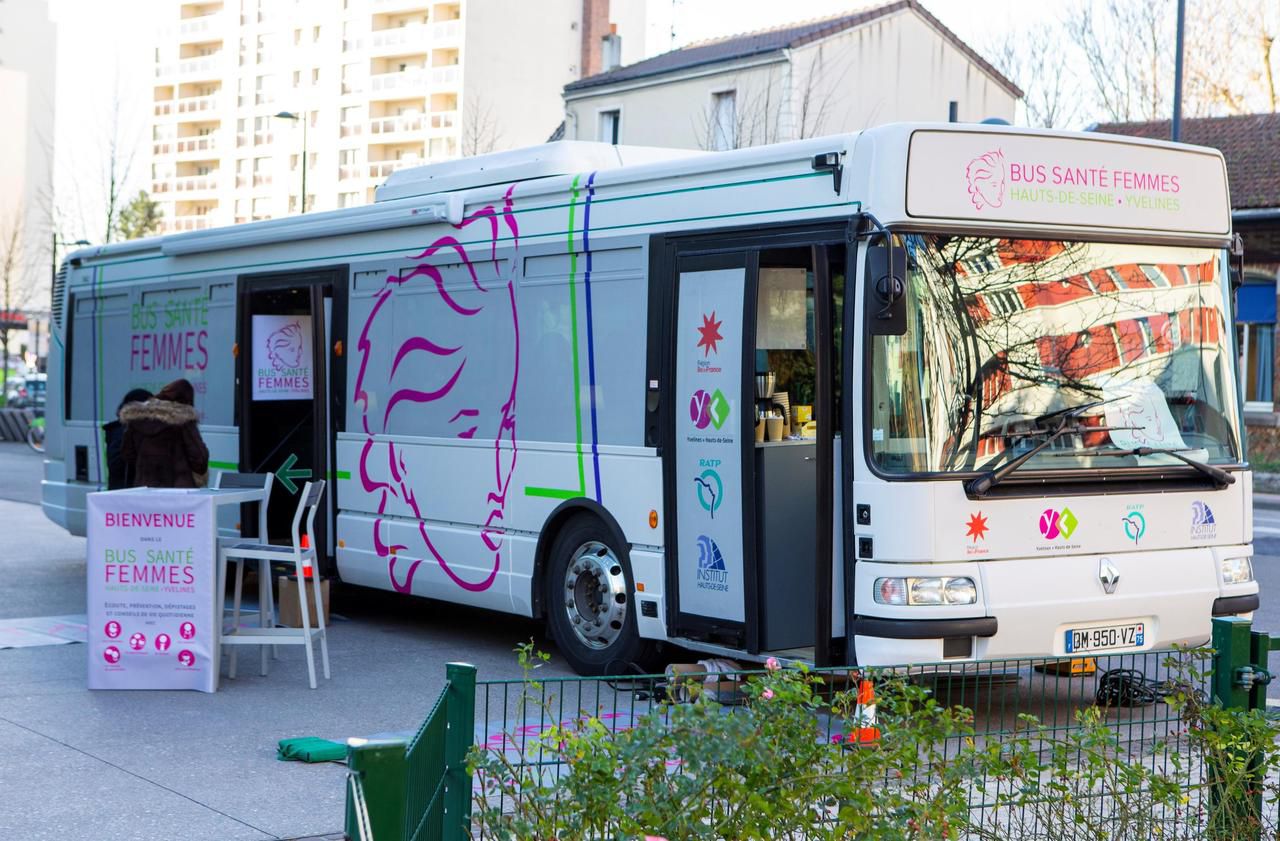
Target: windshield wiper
1220,477
981,485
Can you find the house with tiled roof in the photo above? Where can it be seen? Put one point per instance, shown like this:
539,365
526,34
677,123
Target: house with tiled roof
836,74
1251,145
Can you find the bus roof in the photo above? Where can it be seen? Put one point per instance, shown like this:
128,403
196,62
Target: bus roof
957,176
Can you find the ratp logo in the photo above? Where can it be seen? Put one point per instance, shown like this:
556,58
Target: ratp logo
1135,526
985,175
712,573
710,491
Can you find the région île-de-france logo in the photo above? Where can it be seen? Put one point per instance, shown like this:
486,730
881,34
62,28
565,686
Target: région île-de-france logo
1057,524
1203,526
709,337
710,490
708,409
977,527
985,175
712,573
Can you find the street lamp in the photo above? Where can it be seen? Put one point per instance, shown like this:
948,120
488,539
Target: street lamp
289,115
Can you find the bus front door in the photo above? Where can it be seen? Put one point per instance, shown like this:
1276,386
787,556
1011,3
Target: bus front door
287,388
750,469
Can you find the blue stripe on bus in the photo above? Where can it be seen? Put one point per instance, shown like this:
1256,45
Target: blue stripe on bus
591,341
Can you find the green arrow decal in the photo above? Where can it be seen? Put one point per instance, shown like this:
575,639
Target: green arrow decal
287,475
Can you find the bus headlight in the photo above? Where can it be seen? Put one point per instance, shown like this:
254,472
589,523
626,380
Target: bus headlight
925,591
1237,571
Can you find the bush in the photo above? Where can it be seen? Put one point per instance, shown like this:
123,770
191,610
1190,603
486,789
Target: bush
770,768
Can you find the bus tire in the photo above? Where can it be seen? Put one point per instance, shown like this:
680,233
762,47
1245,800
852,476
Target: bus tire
589,605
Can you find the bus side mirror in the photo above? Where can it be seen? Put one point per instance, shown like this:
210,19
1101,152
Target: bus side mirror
886,285
1237,262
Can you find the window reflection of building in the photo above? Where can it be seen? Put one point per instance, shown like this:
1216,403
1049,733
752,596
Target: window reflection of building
1003,331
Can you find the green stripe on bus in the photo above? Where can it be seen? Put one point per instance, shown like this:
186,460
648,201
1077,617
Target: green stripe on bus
553,493
564,493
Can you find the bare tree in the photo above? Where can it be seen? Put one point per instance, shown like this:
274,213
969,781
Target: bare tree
1032,58
1233,60
116,167
1124,47
771,109
817,92
480,130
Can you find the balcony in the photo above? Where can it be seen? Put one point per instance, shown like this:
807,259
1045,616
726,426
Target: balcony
205,66
159,187
397,124
261,179
197,104
262,138
407,80
401,5
162,147
381,169
447,75
166,69
191,223
197,28
200,143
346,172
447,30
350,129
444,120
195,183
163,109
415,35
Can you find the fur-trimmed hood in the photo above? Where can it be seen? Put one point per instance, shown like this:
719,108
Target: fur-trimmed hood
162,412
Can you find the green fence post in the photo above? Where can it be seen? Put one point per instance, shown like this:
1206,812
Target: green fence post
384,774
460,712
1231,812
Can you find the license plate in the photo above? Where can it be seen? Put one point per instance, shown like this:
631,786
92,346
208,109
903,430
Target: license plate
1104,637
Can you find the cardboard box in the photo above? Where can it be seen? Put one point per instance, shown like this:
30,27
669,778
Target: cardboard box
288,612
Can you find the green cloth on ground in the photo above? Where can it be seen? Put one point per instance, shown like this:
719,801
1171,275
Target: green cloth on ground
310,749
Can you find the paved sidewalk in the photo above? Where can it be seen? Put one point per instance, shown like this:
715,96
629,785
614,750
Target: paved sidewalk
1269,501
186,765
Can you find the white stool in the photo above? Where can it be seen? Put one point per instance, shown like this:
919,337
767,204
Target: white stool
303,559
266,598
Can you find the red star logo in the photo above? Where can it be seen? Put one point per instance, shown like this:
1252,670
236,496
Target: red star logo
977,527
710,333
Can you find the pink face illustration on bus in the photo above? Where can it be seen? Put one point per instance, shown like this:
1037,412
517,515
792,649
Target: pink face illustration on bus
986,177
454,375
284,346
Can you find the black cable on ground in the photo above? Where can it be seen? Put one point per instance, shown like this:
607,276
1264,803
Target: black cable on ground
1128,688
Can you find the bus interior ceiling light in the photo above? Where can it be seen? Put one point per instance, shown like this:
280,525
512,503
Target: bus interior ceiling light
939,590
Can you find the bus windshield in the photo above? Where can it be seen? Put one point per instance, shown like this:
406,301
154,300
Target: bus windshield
1007,339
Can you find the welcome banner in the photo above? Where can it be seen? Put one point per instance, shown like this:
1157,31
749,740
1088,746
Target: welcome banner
151,590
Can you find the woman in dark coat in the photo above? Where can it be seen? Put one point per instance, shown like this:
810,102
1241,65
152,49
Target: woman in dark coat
162,443
119,471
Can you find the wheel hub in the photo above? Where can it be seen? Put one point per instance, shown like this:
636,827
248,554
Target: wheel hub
595,595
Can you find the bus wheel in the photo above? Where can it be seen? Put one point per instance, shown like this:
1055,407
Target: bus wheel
589,608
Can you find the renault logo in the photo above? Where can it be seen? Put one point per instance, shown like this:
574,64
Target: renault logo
1108,575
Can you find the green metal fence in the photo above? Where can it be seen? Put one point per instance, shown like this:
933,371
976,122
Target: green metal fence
422,790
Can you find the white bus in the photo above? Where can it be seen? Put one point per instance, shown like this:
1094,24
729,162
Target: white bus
920,393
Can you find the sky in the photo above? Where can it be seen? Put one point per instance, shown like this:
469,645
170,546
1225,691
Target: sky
105,50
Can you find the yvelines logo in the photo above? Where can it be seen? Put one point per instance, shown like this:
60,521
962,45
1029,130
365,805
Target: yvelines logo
986,177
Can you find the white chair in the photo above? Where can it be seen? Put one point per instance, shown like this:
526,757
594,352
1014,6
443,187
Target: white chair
303,558
266,597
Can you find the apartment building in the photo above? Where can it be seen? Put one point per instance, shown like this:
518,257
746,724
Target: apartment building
370,86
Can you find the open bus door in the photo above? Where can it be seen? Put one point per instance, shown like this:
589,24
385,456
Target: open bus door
750,331
291,332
